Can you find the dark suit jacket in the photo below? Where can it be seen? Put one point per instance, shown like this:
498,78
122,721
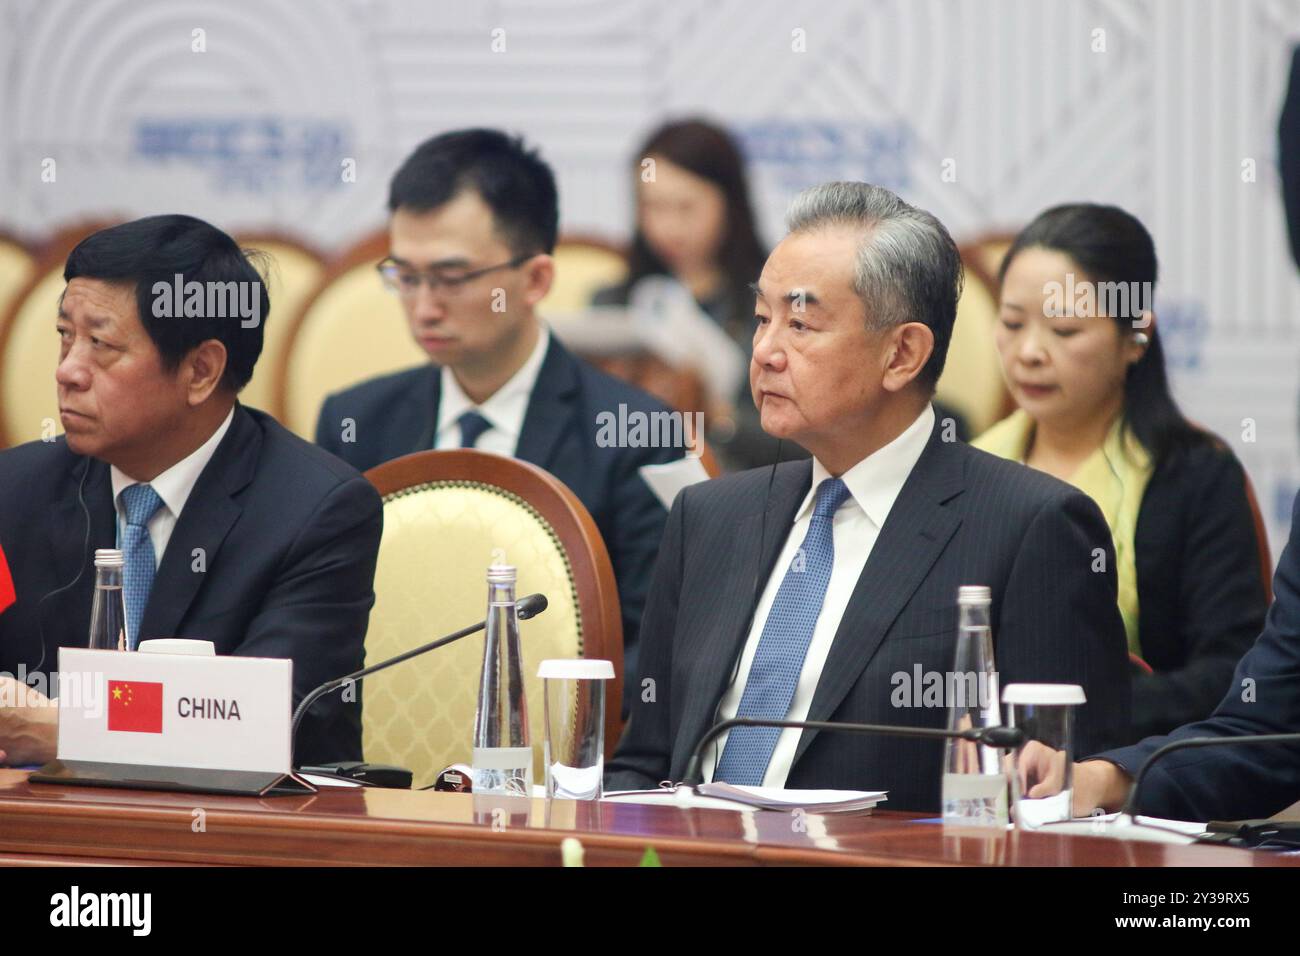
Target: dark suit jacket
1288,154
398,414
1201,594
289,537
962,517
1243,782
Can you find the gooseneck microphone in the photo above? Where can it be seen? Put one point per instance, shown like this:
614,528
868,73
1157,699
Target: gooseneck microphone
1006,738
525,608
1130,805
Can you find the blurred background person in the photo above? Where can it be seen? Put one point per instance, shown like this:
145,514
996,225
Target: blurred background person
695,224
1095,409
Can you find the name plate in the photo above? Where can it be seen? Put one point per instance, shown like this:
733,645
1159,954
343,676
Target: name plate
212,724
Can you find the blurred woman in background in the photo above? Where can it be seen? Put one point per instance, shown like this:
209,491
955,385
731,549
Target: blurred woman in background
695,224
1095,410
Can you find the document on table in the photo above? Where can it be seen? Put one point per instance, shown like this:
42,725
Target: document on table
724,796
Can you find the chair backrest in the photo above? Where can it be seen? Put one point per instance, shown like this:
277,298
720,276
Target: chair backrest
349,329
17,263
292,274
29,347
447,516
972,380
583,264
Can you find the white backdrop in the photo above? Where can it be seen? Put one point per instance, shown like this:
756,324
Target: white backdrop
1162,107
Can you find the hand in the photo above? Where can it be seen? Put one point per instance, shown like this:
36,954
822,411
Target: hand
1097,783
29,724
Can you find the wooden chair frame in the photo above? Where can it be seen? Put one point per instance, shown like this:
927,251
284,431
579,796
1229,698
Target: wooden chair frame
584,549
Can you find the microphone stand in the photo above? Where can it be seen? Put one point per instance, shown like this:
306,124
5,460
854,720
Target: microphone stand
1005,738
526,607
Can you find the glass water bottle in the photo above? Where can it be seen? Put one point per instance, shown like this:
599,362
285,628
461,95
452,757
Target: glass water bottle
974,780
503,755
108,613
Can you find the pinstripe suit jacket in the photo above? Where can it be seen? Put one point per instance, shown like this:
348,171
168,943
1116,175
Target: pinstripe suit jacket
962,517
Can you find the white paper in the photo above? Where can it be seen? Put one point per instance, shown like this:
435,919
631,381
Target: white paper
328,780
822,800
672,476
1143,829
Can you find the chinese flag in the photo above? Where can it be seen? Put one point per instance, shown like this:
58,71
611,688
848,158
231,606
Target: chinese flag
7,595
135,705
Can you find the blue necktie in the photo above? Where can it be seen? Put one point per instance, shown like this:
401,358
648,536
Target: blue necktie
140,502
784,644
472,425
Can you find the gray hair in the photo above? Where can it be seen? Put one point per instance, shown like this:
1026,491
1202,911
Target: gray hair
908,268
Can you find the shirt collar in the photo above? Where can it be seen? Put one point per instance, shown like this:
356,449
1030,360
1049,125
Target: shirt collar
175,484
506,406
875,482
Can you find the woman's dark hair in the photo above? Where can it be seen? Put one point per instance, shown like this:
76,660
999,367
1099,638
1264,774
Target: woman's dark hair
510,178
709,152
155,250
1111,246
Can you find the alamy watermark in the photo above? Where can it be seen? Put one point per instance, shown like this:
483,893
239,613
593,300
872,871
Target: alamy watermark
966,689
83,691
638,429
223,300
1085,299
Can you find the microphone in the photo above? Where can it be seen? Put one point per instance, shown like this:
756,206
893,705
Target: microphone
525,608
1006,738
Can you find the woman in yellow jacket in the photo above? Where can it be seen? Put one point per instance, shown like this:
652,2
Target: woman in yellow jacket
1081,355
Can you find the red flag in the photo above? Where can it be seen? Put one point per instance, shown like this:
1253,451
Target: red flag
7,595
135,705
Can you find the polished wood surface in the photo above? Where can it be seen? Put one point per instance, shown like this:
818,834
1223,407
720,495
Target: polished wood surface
41,824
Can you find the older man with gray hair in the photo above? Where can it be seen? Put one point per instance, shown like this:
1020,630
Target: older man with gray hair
817,590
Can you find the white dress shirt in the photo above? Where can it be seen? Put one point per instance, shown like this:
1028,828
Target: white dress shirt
173,486
874,484
505,408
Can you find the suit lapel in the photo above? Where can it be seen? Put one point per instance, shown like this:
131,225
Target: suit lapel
208,515
550,407
415,420
914,535
757,543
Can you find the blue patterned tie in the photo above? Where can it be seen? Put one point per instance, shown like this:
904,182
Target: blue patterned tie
784,644
140,502
472,425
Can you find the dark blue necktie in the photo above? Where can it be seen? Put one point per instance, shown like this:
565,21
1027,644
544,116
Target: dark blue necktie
783,645
472,425
140,502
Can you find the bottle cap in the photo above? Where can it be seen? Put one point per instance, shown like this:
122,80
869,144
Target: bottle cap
1045,695
501,574
109,558
974,594
580,669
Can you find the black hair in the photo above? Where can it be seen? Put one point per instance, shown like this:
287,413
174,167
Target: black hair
156,249
711,153
1111,245
511,179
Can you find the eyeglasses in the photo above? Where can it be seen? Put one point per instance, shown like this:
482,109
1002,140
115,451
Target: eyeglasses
405,281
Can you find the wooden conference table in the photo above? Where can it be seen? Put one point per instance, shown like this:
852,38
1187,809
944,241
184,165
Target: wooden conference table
52,825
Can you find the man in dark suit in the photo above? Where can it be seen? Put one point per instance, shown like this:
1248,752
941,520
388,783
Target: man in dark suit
825,590
1216,783
472,228
233,529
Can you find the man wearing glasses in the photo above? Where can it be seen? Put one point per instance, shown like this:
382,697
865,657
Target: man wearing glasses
472,228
